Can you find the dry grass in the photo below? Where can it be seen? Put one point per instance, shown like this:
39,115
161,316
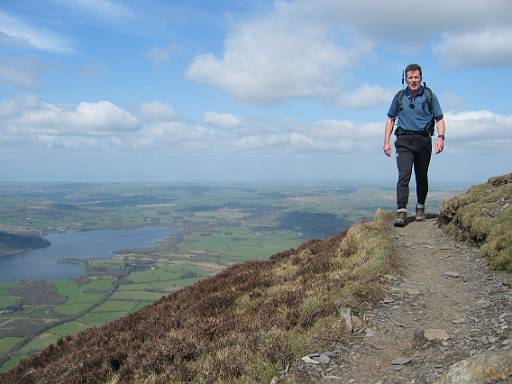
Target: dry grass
483,215
240,326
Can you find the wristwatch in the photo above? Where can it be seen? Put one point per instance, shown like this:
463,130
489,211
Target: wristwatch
440,137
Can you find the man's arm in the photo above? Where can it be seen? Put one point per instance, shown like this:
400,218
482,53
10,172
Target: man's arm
440,140
387,135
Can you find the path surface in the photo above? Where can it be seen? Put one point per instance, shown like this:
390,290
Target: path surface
472,313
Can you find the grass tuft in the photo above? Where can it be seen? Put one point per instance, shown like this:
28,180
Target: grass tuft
483,215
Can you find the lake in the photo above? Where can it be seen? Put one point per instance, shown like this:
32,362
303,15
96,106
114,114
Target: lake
39,264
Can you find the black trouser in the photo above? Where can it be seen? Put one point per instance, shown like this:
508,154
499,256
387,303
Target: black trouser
412,150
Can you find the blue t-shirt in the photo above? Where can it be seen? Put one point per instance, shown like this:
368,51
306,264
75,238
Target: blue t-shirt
415,115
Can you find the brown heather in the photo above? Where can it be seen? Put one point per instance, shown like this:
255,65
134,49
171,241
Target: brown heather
240,326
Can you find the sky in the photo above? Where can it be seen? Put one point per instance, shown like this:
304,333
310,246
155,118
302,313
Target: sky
245,91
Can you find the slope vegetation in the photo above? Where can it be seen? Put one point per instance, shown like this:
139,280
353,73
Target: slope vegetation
240,326
483,215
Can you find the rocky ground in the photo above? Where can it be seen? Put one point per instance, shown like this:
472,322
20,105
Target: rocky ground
445,307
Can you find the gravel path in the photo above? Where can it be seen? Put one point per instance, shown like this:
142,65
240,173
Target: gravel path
446,306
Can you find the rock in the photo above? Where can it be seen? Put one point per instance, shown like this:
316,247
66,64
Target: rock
388,300
433,334
483,303
369,332
309,360
322,359
507,342
478,369
400,360
346,313
452,274
458,321
411,291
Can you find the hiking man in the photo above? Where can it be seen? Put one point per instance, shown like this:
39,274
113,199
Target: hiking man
417,110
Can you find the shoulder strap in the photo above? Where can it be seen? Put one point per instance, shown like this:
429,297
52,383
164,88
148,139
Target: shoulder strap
428,94
399,97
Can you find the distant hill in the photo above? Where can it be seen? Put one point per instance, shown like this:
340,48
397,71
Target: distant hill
16,241
242,325
483,215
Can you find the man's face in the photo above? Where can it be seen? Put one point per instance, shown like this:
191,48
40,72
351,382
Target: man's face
413,79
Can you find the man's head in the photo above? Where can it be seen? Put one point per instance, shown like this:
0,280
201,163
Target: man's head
413,76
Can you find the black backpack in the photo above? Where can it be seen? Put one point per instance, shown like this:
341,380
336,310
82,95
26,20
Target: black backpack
428,94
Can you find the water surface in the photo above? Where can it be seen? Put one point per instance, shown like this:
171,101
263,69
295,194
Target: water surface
39,264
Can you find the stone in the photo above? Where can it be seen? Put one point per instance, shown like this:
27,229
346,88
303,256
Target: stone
452,274
411,291
483,303
433,334
400,360
478,369
346,314
322,359
388,300
458,321
309,360
507,342
369,332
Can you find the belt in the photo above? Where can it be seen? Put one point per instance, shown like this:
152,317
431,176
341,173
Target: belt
400,131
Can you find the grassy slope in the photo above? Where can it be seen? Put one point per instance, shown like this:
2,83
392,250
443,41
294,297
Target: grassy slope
240,326
483,215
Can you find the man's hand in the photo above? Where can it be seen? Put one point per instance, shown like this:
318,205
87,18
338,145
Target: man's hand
439,145
387,149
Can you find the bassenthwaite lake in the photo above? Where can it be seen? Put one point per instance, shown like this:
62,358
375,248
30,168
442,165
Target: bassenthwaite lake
43,264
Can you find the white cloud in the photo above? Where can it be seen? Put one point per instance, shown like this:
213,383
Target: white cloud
222,120
365,96
87,119
486,48
451,101
158,110
479,127
279,57
16,31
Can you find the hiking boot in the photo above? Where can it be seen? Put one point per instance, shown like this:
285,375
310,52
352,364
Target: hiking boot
401,218
420,214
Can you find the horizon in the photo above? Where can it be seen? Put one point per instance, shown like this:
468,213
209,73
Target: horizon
259,91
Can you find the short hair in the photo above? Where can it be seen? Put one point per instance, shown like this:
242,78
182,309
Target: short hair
412,68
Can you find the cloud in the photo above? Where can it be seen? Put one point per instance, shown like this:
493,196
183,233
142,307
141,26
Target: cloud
279,57
479,129
106,10
86,120
487,48
17,32
159,55
222,120
365,96
158,110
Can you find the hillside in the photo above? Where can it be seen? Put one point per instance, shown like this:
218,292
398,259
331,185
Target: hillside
483,216
18,241
242,325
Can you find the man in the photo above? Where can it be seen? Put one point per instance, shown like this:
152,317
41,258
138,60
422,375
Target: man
417,110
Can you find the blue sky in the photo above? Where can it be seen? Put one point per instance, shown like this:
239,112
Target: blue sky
203,91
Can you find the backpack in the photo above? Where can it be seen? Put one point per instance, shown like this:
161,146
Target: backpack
428,94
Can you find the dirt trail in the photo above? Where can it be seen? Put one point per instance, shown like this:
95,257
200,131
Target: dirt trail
471,309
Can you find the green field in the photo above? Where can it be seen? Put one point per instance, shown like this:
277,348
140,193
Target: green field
70,328
242,243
